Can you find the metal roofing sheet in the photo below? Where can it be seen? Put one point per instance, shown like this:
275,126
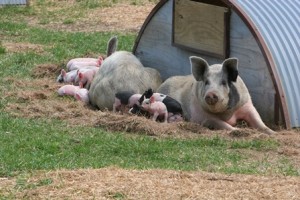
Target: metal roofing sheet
279,24
12,2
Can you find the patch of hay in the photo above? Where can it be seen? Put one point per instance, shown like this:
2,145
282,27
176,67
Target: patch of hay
142,125
46,70
119,17
21,47
114,183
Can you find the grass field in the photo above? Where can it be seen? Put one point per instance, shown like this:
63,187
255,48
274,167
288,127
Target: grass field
32,143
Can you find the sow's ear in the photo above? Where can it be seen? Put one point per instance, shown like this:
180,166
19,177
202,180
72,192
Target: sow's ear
230,67
199,67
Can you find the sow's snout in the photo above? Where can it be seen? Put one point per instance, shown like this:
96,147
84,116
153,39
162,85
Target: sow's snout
211,98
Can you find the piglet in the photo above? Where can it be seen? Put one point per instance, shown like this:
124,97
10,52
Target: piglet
82,95
75,91
67,77
125,99
86,75
78,63
174,117
137,110
173,106
156,108
69,90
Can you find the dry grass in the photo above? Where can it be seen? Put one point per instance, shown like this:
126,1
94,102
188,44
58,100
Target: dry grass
116,183
119,17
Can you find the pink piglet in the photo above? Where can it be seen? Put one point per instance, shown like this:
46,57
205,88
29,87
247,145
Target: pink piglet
85,76
82,95
156,108
67,77
79,63
68,90
77,92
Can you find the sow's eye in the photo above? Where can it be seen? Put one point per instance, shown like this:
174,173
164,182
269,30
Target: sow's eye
206,82
223,82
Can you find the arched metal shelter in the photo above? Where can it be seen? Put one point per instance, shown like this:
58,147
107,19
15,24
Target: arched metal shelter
263,34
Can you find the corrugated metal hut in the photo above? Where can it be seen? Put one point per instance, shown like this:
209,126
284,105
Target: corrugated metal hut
263,34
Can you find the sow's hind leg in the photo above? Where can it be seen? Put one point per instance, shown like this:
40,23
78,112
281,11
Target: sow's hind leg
249,113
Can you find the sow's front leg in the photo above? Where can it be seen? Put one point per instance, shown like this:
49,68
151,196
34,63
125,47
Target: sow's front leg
217,124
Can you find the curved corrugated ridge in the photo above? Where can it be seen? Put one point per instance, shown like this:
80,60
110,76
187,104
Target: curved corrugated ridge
278,22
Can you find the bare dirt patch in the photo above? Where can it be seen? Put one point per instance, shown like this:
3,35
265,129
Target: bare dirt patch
38,99
119,17
21,47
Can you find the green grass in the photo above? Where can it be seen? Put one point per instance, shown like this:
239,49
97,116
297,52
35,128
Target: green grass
39,144
30,144
2,49
58,47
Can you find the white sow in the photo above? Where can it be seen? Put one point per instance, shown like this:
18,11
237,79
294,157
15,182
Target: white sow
214,96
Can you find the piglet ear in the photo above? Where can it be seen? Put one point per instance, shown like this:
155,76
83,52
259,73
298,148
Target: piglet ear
77,97
199,67
63,72
80,75
148,93
230,67
142,99
100,60
152,99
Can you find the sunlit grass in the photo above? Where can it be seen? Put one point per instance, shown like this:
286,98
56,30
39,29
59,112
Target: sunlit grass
30,144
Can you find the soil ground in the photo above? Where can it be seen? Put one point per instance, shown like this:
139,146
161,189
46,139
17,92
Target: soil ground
116,183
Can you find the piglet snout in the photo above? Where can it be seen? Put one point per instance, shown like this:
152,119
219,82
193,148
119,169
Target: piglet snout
211,98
